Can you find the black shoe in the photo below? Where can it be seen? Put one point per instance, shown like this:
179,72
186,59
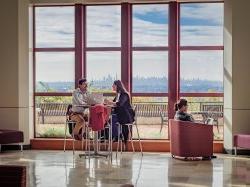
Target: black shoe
206,158
213,156
102,139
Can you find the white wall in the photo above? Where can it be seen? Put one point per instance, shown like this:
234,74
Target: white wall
16,109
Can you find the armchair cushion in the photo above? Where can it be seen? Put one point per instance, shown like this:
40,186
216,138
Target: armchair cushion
10,136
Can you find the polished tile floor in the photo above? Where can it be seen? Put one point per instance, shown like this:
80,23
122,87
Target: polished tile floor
59,169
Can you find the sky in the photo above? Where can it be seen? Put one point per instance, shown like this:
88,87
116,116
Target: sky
201,24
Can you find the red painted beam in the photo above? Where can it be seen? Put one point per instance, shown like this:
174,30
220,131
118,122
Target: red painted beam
155,48
34,67
126,43
63,94
137,94
103,48
48,94
55,49
150,94
205,48
173,58
84,40
78,42
201,94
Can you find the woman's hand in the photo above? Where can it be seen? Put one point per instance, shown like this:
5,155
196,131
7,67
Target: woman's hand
106,101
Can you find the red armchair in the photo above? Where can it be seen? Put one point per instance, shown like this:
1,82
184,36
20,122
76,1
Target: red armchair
188,139
242,141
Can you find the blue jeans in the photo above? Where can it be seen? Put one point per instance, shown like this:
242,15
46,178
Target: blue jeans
114,126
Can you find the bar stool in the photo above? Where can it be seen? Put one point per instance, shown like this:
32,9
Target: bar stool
69,124
130,126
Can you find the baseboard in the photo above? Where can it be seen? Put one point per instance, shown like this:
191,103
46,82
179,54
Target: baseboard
7,147
147,145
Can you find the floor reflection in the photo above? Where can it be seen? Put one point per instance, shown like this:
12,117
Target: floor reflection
56,168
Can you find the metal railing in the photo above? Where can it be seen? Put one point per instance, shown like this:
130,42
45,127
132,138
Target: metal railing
143,109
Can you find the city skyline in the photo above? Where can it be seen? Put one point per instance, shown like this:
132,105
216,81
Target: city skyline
146,85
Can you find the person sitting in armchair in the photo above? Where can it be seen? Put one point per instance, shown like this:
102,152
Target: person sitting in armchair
181,108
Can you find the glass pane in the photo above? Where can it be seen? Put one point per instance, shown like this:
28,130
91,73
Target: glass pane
55,72
102,69
55,26
212,107
152,118
50,116
201,71
202,24
150,25
104,26
150,72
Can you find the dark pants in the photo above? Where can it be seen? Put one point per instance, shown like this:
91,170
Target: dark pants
71,126
124,132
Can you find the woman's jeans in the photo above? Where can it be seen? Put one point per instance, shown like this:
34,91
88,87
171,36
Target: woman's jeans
124,132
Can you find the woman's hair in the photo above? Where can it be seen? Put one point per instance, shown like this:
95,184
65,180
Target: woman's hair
120,87
180,104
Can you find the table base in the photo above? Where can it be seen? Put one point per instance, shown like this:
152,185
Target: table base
93,154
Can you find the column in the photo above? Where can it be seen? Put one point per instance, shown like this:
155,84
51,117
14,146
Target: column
236,70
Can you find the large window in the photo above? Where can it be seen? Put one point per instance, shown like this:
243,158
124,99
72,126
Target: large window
54,67
130,42
201,61
150,68
201,57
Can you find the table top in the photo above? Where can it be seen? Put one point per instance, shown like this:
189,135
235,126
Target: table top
88,106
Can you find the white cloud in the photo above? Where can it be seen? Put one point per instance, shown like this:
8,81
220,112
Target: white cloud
212,12
149,34
144,9
55,27
103,26
201,35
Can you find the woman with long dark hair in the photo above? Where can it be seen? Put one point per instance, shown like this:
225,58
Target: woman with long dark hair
122,107
181,108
